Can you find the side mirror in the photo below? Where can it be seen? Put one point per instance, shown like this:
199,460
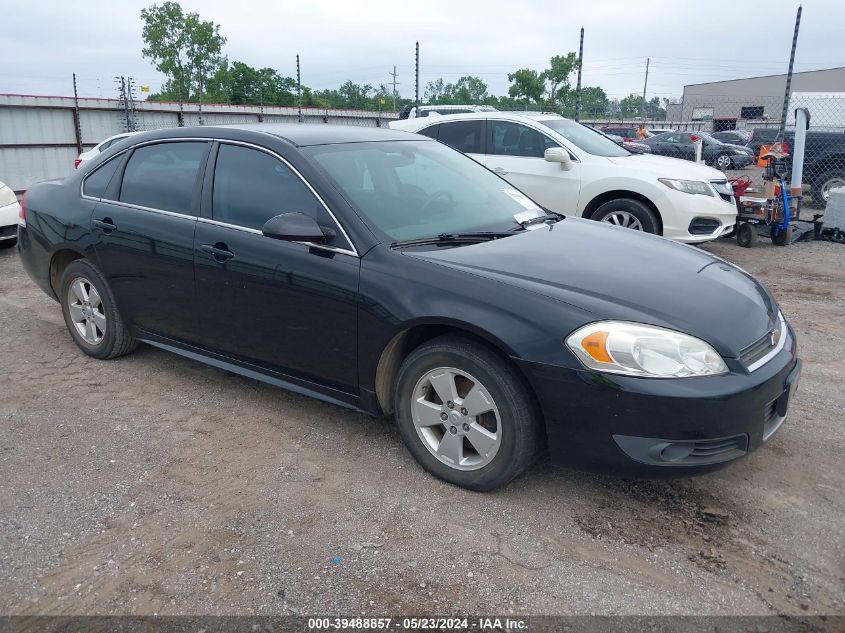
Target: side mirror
295,227
558,155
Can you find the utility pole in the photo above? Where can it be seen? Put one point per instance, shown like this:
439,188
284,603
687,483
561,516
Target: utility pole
578,86
782,127
417,79
394,88
298,89
645,85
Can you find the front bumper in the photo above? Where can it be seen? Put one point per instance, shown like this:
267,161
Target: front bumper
9,221
679,209
640,427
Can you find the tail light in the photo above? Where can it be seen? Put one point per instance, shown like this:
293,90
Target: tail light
22,212
77,163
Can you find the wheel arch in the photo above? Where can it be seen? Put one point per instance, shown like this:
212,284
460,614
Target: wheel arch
415,334
616,194
59,261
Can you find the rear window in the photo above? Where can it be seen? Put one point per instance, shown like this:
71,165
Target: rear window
163,176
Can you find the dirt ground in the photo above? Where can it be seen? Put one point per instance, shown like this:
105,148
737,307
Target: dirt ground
154,484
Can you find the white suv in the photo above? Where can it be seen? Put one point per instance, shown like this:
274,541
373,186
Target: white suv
573,169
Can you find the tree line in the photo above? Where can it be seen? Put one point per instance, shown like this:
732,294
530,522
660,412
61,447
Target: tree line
189,52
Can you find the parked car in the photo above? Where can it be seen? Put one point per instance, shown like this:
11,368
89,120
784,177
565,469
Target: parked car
733,137
659,130
824,158
411,112
627,132
631,146
681,145
100,147
590,175
9,212
388,273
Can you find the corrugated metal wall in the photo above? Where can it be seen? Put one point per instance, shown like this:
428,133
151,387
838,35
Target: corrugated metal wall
39,140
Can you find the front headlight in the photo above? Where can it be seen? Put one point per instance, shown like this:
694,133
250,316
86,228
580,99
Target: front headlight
688,186
648,351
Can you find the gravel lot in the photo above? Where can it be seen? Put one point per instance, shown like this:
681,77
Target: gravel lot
154,484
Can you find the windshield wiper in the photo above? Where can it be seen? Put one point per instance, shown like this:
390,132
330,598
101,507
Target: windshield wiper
546,218
453,238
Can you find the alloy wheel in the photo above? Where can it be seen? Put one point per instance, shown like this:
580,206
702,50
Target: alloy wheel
624,219
87,311
456,418
723,162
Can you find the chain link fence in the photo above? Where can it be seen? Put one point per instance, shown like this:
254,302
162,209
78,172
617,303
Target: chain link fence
736,129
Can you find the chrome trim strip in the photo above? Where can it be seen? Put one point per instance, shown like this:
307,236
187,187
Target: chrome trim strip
245,229
781,343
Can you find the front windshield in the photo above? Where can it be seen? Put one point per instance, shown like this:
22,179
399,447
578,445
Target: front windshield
416,189
585,138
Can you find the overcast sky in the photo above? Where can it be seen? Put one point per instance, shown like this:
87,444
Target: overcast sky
44,41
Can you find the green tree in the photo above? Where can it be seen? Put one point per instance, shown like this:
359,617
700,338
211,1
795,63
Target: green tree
434,90
560,67
184,48
527,85
468,89
594,102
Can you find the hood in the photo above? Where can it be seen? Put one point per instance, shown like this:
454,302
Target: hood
617,273
667,167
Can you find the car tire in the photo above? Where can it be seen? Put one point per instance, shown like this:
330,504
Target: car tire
480,452
628,213
824,183
8,243
745,235
90,313
723,162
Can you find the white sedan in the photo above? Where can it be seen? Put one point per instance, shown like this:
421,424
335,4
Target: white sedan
9,213
101,147
572,169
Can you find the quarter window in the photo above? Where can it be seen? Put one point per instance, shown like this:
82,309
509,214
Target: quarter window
513,139
95,185
163,176
430,131
251,186
464,136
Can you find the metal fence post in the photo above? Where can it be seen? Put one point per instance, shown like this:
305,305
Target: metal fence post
298,89
782,127
578,86
76,127
417,79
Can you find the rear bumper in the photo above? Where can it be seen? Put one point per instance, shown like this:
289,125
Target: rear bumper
662,428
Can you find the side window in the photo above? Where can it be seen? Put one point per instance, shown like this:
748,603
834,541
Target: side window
163,176
464,136
513,139
95,184
251,186
430,131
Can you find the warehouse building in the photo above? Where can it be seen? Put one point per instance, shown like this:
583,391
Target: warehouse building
750,102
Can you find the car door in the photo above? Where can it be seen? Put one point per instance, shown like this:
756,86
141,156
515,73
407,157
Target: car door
143,228
515,152
290,307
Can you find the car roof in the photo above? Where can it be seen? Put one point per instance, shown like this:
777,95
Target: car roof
304,134
507,116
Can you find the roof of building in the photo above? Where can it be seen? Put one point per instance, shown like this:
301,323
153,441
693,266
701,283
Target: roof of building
803,72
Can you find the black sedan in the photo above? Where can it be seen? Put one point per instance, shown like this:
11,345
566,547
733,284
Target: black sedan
385,272
714,152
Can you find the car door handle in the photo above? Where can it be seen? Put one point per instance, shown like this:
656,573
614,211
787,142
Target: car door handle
500,170
106,225
219,251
